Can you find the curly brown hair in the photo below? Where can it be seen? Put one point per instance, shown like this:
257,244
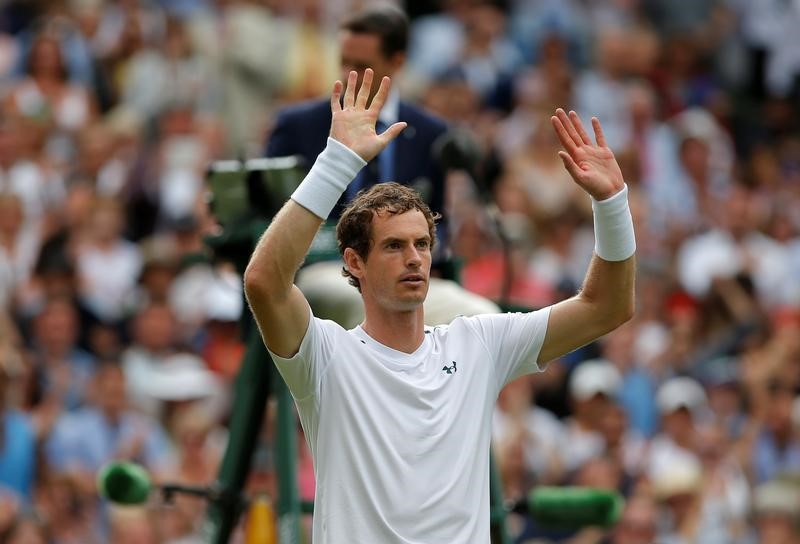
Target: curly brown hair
354,229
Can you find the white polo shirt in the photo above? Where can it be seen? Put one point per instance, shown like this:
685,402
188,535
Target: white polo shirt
400,441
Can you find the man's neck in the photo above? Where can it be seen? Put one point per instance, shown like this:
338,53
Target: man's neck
112,417
56,353
402,331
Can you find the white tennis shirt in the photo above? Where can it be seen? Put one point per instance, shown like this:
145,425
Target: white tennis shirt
400,441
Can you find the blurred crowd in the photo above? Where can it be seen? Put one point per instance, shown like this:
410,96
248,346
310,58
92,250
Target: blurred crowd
118,328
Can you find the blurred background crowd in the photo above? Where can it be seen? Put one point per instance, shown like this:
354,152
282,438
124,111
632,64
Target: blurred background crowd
118,332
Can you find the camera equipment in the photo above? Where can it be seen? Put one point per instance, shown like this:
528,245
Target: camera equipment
255,188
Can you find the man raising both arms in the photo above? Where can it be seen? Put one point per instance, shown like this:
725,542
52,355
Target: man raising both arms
397,415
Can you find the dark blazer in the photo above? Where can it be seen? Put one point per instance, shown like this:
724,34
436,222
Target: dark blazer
303,129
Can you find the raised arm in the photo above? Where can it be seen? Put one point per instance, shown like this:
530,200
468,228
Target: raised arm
606,299
280,309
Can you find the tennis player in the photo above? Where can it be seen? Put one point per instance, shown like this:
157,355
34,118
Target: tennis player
397,415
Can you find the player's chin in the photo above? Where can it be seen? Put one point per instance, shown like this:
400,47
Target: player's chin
413,299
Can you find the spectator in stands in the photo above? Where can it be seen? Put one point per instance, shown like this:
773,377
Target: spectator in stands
638,523
637,392
241,41
536,432
374,38
777,511
169,72
312,51
62,368
46,93
27,530
734,247
155,337
104,431
19,246
70,508
593,387
487,59
18,445
776,449
102,250
680,401
133,526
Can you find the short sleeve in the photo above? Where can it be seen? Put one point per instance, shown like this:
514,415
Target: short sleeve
513,340
303,372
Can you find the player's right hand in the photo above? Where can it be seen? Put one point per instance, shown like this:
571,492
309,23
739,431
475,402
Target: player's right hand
353,123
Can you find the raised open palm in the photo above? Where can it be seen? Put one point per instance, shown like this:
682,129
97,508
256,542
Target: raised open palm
592,166
353,123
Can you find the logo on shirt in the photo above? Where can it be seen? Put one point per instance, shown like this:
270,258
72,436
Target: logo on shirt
450,369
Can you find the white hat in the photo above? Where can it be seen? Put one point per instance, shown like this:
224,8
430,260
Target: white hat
777,497
593,377
680,392
696,123
681,475
183,376
224,298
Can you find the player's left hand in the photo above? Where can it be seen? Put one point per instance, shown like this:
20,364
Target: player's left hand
592,166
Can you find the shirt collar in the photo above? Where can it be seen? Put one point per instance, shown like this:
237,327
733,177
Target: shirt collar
391,108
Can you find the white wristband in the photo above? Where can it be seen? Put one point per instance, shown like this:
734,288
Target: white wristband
327,180
614,239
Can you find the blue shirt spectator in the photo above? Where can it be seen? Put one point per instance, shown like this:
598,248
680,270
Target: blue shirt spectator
771,460
63,370
776,449
637,396
17,453
83,441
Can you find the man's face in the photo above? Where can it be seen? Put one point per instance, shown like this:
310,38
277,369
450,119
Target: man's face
154,329
774,528
679,418
57,326
361,51
592,411
638,524
396,272
111,391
